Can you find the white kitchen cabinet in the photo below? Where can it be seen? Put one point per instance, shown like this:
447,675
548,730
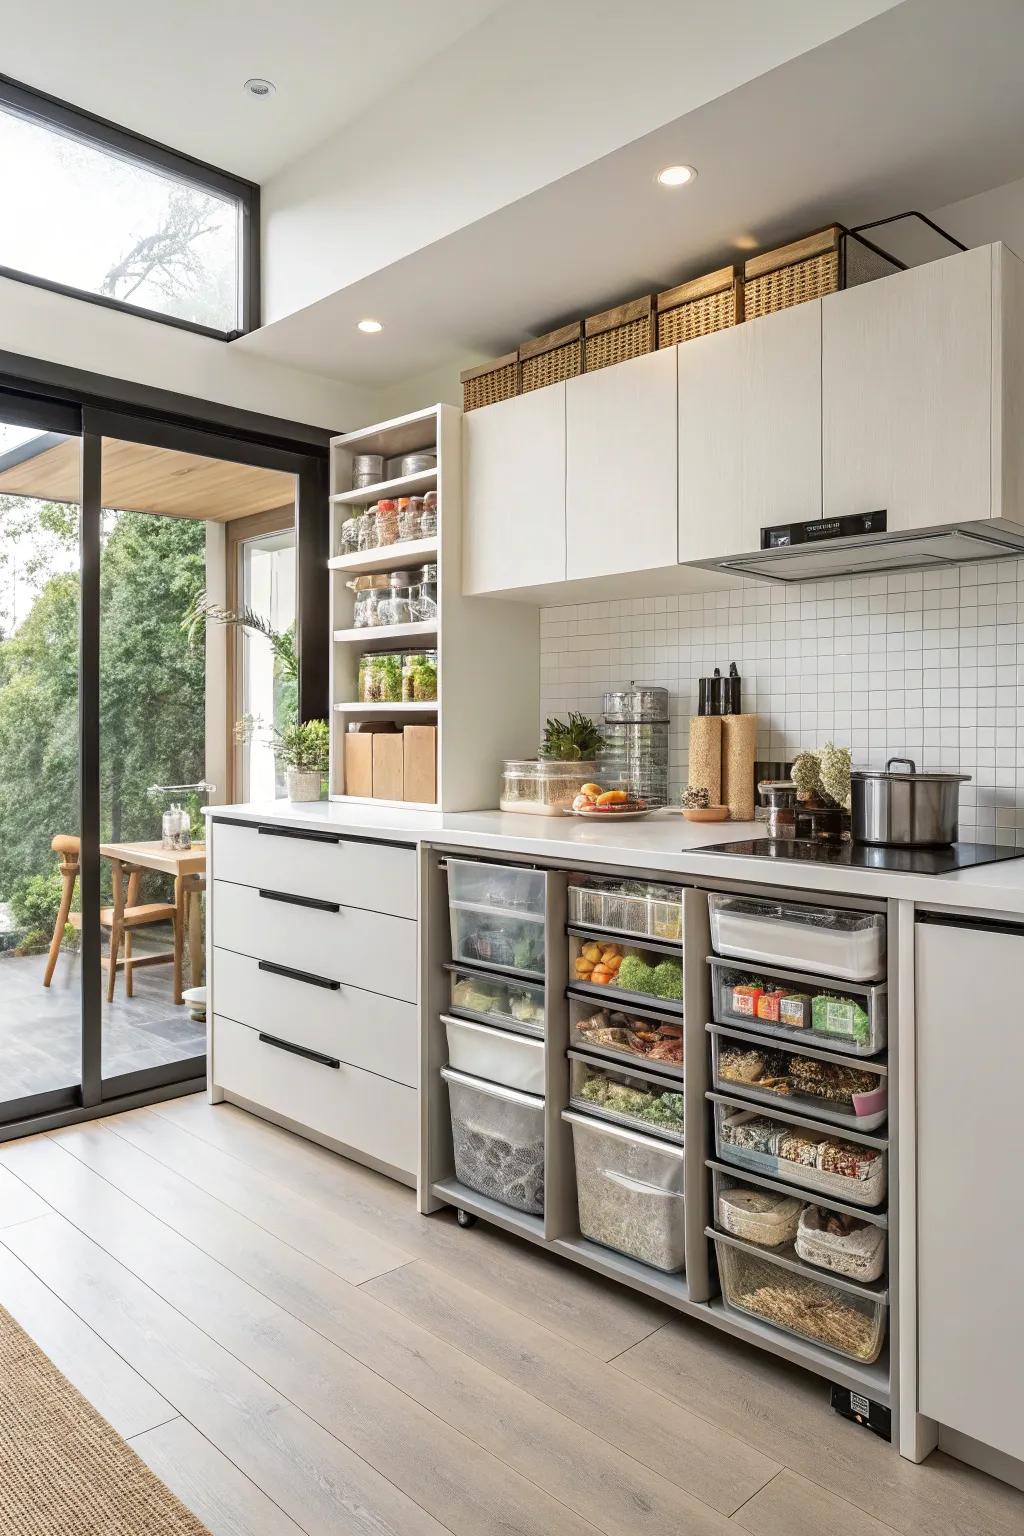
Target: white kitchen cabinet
749,432
910,394
514,493
620,468
970,1152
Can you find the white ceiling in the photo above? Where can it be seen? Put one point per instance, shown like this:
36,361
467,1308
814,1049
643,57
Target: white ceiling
918,108
175,71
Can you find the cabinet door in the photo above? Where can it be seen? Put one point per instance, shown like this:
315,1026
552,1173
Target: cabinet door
749,431
620,478
514,492
970,1153
907,394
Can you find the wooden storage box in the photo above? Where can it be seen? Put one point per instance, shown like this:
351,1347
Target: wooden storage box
420,761
616,335
703,305
805,269
550,358
490,382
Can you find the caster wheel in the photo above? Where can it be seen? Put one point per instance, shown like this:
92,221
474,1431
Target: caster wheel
465,1218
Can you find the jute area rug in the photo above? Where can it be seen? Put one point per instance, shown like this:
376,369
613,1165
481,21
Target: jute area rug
63,1470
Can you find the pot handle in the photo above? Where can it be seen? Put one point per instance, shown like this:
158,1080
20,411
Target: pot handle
908,760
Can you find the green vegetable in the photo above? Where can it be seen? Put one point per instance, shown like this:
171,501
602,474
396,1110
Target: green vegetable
528,954
655,1108
668,979
635,975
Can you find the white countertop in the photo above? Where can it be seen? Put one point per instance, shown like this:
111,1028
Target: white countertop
664,842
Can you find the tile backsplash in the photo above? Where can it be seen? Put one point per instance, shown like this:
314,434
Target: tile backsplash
923,664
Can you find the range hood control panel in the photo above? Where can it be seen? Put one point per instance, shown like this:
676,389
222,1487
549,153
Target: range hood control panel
784,535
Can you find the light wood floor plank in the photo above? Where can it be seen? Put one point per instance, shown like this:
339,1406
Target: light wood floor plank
784,1412
716,1466
449,1475
326,1489
125,1400
348,1250
594,1313
581,1470
792,1506
208,1484
17,1202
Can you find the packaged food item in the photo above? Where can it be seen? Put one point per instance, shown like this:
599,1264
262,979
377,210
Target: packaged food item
627,1098
837,1169
769,1005
794,1010
828,1080
844,1244
760,1216
840,1018
745,999
648,1038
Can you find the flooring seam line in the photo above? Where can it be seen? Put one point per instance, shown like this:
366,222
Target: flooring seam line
883,1525
317,1334
757,1491
612,1358
562,1260
140,1434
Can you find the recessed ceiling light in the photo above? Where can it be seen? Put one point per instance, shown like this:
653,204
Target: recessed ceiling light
370,326
676,175
261,89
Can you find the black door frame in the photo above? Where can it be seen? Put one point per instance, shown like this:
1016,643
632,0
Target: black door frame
95,407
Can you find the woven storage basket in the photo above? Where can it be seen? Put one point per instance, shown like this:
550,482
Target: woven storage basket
616,335
805,269
697,308
550,358
490,382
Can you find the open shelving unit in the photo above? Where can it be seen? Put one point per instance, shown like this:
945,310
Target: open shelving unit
488,664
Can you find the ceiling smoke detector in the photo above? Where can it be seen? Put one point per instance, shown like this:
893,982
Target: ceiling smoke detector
261,89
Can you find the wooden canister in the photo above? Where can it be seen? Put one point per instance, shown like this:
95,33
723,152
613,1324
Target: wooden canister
739,752
705,761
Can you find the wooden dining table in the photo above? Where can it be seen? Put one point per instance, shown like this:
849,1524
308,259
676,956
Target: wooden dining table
187,867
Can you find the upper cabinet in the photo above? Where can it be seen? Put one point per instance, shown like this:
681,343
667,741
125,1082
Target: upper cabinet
749,431
620,468
908,398
514,493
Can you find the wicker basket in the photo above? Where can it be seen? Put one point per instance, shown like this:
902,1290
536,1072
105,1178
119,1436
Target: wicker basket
491,382
697,308
549,359
616,335
805,269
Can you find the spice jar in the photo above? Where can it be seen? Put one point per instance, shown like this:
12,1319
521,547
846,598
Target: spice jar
370,597
368,529
387,523
398,607
349,541
428,517
419,677
410,511
424,595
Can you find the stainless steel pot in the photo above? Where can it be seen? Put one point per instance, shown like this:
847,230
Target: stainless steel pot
905,810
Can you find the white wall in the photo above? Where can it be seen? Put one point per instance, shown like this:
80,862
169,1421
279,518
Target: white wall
994,215
51,326
539,89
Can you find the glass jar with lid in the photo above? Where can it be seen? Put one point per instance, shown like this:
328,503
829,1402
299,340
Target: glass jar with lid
428,517
424,595
387,523
348,542
368,529
370,595
380,677
542,786
398,604
419,677
410,512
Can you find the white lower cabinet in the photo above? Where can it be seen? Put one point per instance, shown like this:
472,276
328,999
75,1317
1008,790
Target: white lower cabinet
371,1115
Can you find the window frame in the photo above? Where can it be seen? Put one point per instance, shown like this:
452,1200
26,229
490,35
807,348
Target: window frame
51,112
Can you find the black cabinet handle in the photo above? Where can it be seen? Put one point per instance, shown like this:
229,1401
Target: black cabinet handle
304,836
311,981
300,1050
302,901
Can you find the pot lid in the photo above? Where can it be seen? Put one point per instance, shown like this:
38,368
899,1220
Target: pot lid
909,764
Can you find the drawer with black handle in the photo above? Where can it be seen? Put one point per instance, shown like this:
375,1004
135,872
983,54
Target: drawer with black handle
323,864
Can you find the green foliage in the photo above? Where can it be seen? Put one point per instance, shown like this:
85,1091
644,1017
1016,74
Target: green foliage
305,746
35,899
573,741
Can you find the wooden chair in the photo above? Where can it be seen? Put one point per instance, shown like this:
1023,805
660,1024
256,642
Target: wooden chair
121,920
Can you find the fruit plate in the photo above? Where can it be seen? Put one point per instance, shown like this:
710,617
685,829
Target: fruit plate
614,813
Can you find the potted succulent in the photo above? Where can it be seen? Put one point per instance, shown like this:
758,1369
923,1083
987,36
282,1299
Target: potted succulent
303,747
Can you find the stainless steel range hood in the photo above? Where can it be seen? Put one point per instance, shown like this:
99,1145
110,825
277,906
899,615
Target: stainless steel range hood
869,554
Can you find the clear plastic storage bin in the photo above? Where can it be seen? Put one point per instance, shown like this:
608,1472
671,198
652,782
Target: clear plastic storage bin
841,943
515,1005
630,1036
542,786
509,943
608,968
496,1055
498,1140
790,1005
497,887
798,1152
634,1098
765,1217
843,1092
640,907
848,1247
843,1320
630,1192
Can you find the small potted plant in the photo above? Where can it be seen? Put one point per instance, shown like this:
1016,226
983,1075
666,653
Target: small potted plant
303,747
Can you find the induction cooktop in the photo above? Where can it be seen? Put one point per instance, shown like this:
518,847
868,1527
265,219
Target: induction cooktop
901,861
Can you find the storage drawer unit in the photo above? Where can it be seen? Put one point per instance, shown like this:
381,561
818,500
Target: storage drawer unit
496,1055
795,1224
780,1003
497,914
849,945
348,944
361,1028
498,1140
626,1096
326,866
490,999
372,1115
813,1157
817,1083
630,1192
627,1035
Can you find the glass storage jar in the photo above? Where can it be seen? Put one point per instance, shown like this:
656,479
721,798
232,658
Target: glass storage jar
424,596
419,677
370,596
542,786
410,512
428,517
348,543
387,523
380,677
368,529
398,604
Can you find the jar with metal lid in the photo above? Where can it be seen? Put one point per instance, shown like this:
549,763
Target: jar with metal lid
419,677
380,677
636,703
368,529
424,595
428,517
348,543
398,605
410,513
387,523
636,745
779,798
367,469
370,595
